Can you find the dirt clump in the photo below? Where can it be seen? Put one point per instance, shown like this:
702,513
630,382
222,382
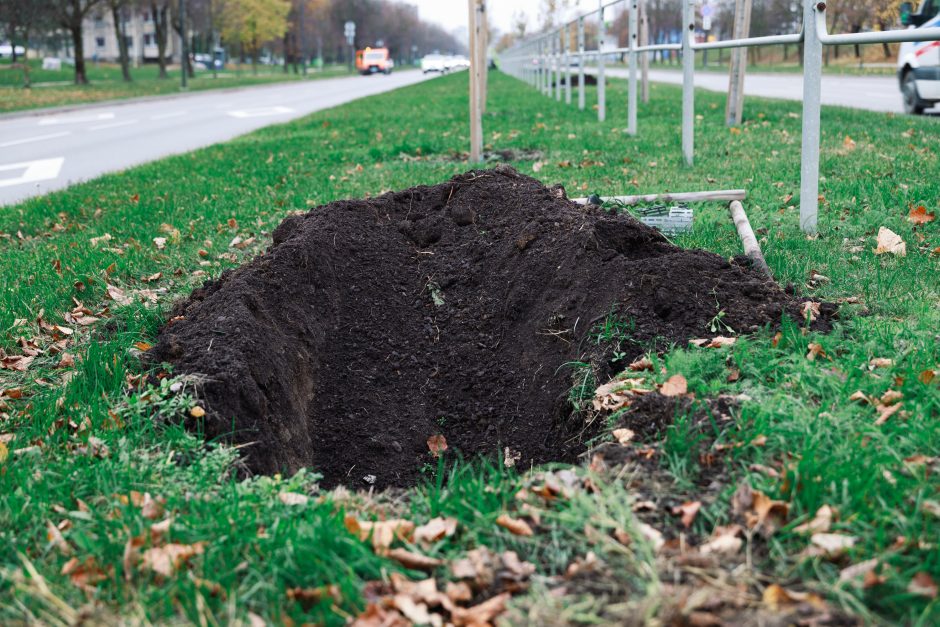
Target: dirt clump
456,309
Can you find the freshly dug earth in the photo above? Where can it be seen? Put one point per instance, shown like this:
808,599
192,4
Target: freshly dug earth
456,309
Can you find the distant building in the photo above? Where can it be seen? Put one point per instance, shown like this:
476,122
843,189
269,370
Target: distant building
101,41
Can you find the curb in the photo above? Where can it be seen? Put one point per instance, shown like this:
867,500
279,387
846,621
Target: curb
27,113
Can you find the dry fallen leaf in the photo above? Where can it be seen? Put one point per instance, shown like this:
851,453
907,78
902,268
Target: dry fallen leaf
167,559
159,242
56,539
676,385
725,540
776,597
820,523
293,498
862,569
715,342
383,532
889,242
481,614
435,529
117,295
516,526
885,412
920,215
437,444
624,436
84,574
923,584
759,511
414,560
815,350
688,511
880,362
309,597
831,545
652,535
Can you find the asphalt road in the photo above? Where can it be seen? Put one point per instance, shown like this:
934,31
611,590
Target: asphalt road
874,93
44,152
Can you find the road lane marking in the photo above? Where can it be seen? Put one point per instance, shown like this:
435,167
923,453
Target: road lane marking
258,112
77,119
33,171
166,116
102,127
38,138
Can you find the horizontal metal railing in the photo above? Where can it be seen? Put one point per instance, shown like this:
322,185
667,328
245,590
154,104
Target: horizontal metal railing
542,60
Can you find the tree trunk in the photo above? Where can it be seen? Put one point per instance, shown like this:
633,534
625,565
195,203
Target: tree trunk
286,51
122,43
160,33
81,78
885,47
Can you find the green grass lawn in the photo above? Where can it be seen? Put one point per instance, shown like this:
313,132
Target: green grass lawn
56,88
84,286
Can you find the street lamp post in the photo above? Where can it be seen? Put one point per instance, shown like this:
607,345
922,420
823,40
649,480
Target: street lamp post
184,51
350,32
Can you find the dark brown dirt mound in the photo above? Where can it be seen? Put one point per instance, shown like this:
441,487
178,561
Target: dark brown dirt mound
370,325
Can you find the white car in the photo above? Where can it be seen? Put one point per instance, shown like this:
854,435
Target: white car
6,50
433,63
919,62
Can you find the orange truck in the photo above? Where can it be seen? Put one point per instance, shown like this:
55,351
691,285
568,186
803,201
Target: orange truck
374,60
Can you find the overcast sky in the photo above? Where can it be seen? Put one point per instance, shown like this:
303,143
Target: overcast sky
453,13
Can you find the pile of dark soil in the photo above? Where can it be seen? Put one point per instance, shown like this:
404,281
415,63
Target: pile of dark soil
370,325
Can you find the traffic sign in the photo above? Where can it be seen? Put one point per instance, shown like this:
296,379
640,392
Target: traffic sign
707,10
350,32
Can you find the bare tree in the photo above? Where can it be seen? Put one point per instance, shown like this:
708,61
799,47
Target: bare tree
159,10
119,16
71,14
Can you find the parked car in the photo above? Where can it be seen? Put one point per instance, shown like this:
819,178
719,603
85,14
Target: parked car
919,62
433,63
374,60
6,50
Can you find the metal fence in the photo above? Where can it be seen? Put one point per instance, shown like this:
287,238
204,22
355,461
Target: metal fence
543,60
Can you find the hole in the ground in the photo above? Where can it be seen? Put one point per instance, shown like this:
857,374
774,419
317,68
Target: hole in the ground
370,325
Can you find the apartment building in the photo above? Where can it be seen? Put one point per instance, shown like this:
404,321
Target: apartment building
101,41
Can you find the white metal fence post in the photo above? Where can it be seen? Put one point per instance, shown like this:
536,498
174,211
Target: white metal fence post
559,41
688,81
601,86
812,88
631,92
547,70
566,42
581,62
